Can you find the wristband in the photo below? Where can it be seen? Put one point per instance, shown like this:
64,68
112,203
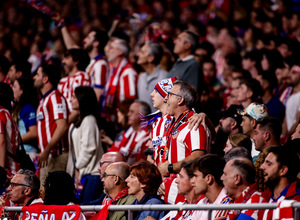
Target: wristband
170,168
62,23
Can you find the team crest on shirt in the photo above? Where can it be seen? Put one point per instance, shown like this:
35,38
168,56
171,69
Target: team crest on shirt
167,122
39,116
175,134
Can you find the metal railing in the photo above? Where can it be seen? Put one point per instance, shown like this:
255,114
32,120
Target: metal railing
208,207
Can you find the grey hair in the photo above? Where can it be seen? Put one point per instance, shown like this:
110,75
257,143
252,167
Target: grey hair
121,169
192,38
188,93
123,46
31,180
156,50
245,168
144,107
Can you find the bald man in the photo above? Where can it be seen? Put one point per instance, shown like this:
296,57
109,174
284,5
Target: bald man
106,159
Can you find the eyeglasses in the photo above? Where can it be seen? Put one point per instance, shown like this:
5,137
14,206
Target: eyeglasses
12,184
106,175
105,161
171,93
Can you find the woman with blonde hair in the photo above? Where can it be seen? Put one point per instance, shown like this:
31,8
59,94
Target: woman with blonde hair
238,140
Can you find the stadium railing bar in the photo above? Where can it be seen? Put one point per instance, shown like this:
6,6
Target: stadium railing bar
209,208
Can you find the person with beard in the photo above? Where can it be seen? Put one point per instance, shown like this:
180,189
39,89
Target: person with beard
98,68
280,170
116,188
93,44
75,61
230,124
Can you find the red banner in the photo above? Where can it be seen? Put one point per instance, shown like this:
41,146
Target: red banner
51,212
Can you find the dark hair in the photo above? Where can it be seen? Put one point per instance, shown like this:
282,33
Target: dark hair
3,177
188,92
254,86
271,125
53,72
59,188
28,96
188,166
4,64
209,60
88,104
237,152
246,169
286,157
210,164
124,108
80,56
102,37
271,78
31,180
23,66
147,174
6,96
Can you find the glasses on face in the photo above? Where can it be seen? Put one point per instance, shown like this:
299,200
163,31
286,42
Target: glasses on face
106,175
104,161
12,184
171,93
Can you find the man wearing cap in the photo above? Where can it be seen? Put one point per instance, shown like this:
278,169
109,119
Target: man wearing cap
9,133
250,116
149,57
230,124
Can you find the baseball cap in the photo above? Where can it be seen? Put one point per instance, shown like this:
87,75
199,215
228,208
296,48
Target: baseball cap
164,86
255,110
232,112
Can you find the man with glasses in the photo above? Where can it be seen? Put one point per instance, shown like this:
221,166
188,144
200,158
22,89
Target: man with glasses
116,189
23,189
179,142
106,159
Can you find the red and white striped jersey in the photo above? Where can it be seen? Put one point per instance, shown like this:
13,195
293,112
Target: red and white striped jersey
52,106
67,85
184,141
171,190
98,71
9,129
249,195
158,130
121,84
132,145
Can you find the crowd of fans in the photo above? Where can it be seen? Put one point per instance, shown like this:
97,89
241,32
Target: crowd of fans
181,102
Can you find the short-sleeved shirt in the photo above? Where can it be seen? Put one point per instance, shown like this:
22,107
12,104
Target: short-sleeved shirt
9,129
52,106
26,119
68,84
98,71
